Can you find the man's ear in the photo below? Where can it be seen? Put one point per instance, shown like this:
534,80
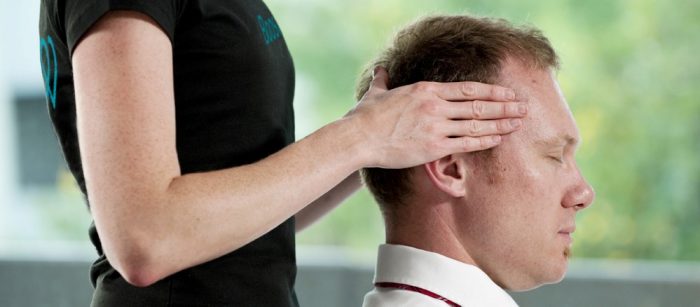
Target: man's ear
449,175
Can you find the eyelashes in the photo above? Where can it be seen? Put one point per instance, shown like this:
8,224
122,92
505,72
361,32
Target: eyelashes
559,157
556,154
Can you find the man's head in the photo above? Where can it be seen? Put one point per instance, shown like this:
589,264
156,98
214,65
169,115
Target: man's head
510,208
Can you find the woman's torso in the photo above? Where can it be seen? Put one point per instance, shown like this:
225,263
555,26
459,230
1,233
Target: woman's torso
234,83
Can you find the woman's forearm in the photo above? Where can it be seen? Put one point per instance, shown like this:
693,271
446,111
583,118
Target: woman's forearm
328,201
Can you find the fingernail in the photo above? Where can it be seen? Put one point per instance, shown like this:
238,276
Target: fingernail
495,139
522,108
515,123
511,95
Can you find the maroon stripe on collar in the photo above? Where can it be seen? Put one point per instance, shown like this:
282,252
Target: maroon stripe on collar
416,289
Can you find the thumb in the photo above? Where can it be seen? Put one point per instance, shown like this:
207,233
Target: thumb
380,78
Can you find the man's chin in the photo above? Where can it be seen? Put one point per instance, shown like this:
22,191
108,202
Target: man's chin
535,284
558,272
568,253
552,275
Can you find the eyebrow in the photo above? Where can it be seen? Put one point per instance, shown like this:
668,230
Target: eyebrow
560,140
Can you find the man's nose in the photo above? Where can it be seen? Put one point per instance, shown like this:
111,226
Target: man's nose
580,195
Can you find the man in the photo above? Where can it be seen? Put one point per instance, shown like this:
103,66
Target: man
461,229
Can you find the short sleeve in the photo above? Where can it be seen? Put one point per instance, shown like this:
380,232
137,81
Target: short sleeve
80,15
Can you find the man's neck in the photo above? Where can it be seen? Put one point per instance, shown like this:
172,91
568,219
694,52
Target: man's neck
429,231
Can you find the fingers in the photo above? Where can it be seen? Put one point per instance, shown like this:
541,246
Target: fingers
478,128
462,91
471,144
379,78
478,109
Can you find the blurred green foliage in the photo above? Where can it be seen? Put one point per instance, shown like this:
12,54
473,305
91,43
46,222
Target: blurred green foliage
630,73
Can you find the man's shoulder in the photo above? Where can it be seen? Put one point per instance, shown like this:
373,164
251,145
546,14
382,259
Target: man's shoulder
407,276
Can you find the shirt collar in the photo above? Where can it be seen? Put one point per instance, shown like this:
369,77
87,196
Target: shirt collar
465,284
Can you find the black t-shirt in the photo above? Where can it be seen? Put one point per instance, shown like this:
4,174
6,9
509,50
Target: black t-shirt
234,83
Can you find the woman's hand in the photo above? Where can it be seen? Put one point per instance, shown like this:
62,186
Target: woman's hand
425,121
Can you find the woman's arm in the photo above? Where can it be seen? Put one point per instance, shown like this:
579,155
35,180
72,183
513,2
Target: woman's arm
153,221
331,199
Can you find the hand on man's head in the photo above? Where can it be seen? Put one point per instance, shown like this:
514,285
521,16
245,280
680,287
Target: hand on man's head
417,123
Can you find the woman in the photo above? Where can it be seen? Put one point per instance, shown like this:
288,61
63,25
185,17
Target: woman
175,117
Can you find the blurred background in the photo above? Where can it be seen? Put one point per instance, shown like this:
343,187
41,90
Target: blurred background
630,72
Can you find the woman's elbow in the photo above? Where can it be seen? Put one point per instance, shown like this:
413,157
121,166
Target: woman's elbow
140,277
137,264
138,270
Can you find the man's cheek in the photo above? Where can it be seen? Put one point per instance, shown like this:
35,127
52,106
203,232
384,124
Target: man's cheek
526,180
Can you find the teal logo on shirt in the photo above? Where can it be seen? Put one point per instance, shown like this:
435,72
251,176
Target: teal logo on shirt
49,68
270,30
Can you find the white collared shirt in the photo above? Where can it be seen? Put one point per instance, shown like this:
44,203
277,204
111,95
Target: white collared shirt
461,283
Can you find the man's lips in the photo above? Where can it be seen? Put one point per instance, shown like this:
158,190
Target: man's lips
566,232
568,229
